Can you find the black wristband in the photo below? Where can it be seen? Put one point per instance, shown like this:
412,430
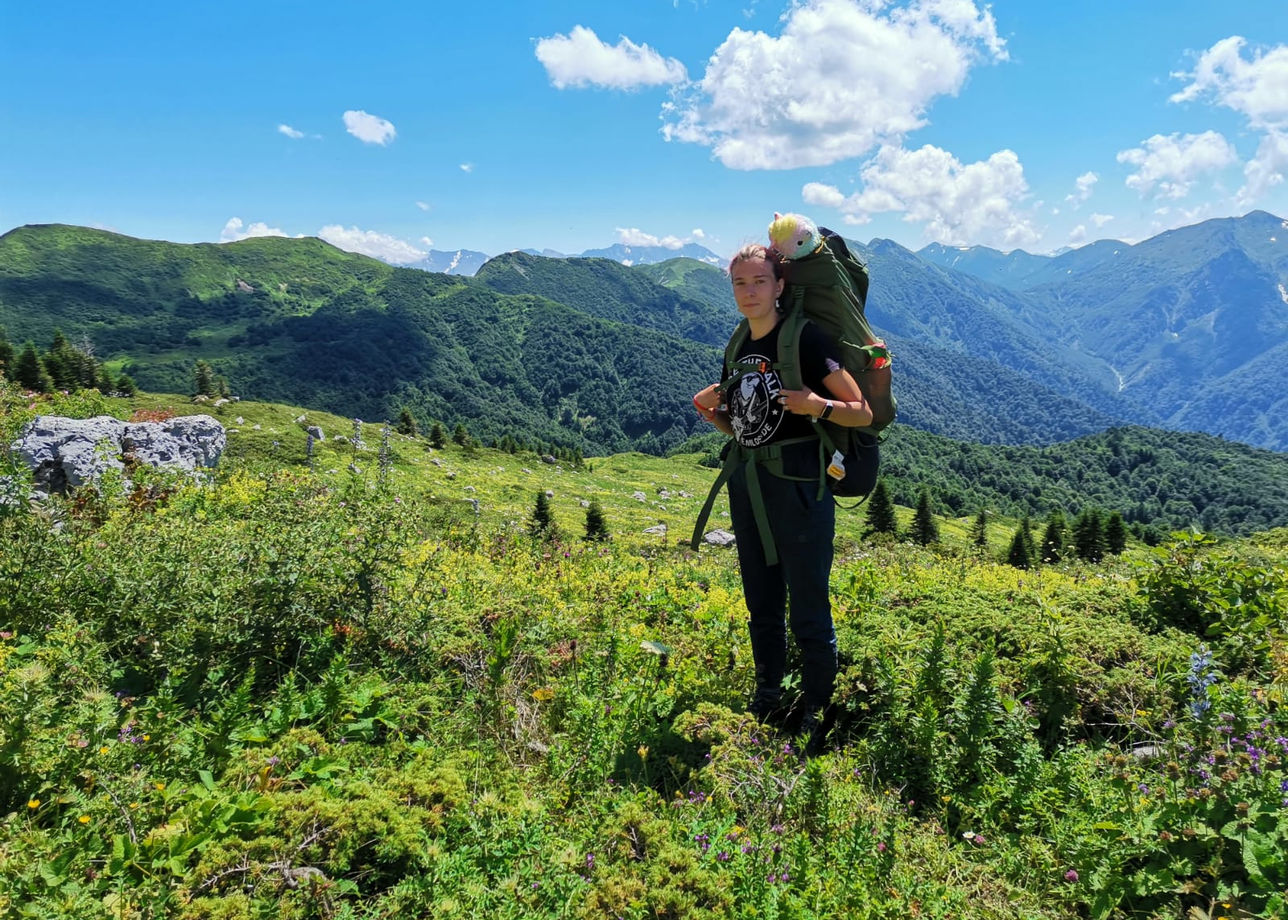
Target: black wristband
827,410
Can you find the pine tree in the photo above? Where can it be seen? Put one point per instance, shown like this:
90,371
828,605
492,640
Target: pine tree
407,423
1088,536
105,384
596,526
979,531
881,517
29,373
1026,528
542,523
1020,554
60,363
6,356
1115,534
461,436
203,378
437,439
925,530
125,384
1053,539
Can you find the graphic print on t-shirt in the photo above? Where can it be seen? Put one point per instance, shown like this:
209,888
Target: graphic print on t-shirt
754,411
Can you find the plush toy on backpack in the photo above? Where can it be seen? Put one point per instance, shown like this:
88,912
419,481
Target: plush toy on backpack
794,236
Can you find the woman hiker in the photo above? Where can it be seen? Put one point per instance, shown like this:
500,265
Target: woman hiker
768,421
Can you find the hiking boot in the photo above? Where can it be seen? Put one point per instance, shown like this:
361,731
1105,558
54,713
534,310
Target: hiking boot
813,732
764,707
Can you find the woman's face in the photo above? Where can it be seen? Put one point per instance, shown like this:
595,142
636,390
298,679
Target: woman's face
755,288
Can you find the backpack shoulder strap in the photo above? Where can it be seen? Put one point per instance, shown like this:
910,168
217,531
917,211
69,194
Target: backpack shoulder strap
739,336
789,342
733,369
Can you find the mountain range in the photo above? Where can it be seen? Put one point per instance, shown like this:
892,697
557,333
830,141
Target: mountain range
1190,325
469,261
1186,330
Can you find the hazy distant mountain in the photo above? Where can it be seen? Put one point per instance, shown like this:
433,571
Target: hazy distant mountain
468,261
643,255
459,262
1008,269
1192,323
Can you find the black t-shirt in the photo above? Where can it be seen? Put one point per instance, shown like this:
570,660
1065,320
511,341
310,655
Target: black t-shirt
754,411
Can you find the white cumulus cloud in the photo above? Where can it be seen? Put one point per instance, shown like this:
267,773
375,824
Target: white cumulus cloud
1167,167
423,205
1257,86
236,230
290,132
370,243
632,236
580,59
843,77
1101,219
956,203
467,167
427,242
1083,186
1266,169
370,129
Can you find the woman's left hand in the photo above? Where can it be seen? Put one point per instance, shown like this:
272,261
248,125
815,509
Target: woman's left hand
801,402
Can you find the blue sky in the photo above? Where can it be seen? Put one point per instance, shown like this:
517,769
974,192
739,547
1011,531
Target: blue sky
392,128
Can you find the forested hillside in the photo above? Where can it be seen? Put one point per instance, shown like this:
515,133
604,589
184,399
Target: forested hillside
1167,480
610,290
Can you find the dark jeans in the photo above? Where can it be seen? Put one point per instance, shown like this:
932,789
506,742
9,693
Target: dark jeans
803,528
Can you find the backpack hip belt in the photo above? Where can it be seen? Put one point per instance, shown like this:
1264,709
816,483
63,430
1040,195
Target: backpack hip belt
770,457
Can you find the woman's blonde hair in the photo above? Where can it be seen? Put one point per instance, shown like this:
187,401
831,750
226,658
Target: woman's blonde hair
754,252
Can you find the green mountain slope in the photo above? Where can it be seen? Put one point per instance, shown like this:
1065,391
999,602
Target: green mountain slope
124,293
694,280
609,290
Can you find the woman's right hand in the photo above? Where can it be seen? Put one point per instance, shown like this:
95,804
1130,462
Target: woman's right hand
707,402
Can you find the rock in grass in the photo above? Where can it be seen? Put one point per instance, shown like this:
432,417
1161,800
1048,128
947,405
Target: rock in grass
66,453
720,538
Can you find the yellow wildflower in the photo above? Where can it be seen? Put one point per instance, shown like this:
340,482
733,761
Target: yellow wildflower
33,803
83,819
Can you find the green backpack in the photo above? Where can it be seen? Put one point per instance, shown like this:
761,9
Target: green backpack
829,287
